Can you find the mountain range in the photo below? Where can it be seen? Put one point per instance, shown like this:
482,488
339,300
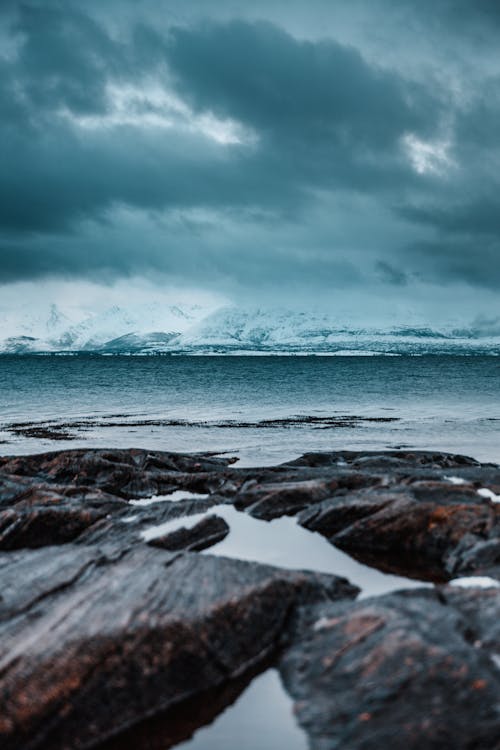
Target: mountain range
158,328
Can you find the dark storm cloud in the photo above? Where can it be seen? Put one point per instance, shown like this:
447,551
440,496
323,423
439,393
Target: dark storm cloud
321,123
294,89
478,219
470,259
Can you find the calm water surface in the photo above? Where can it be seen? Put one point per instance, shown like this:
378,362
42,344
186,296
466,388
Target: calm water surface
447,403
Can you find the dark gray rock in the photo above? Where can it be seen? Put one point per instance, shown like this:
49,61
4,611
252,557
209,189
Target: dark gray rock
101,633
93,641
403,671
207,532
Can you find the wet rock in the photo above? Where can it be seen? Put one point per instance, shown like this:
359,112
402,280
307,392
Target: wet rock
43,526
100,632
337,513
124,528
384,459
275,499
178,723
430,530
93,641
52,514
125,473
412,513
418,535
207,532
403,671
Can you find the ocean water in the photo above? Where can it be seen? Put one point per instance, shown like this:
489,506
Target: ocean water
260,409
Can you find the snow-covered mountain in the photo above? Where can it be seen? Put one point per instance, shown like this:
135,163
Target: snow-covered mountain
192,329
52,329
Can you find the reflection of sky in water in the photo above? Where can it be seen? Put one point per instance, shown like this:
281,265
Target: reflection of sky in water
285,544
261,719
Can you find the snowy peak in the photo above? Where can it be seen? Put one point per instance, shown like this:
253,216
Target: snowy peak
192,329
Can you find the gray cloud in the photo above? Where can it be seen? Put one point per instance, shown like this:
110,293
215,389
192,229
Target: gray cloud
298,90
318,182
390,274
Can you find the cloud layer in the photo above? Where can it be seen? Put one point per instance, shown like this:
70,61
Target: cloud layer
251,150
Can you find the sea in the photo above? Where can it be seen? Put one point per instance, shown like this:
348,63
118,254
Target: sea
261,410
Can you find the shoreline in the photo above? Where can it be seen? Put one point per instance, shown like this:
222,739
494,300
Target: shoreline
123,596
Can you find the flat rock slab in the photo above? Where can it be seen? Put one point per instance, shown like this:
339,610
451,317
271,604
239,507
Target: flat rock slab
92,642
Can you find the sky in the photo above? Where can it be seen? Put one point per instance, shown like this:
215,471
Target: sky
335,153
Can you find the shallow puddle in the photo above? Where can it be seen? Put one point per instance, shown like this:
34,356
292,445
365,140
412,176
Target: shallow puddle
261,718
285,544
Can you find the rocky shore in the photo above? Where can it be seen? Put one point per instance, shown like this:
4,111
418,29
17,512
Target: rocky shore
117,631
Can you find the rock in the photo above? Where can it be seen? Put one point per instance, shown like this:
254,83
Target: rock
275,499
337,513
92,642
403,512
102,633
123,528
417,534
207,532
125,473
384,459
401,671
44,526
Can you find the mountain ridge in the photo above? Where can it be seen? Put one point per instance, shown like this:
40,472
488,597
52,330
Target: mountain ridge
191,329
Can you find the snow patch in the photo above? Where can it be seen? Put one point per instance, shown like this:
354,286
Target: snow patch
455,480
482,582
489,495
